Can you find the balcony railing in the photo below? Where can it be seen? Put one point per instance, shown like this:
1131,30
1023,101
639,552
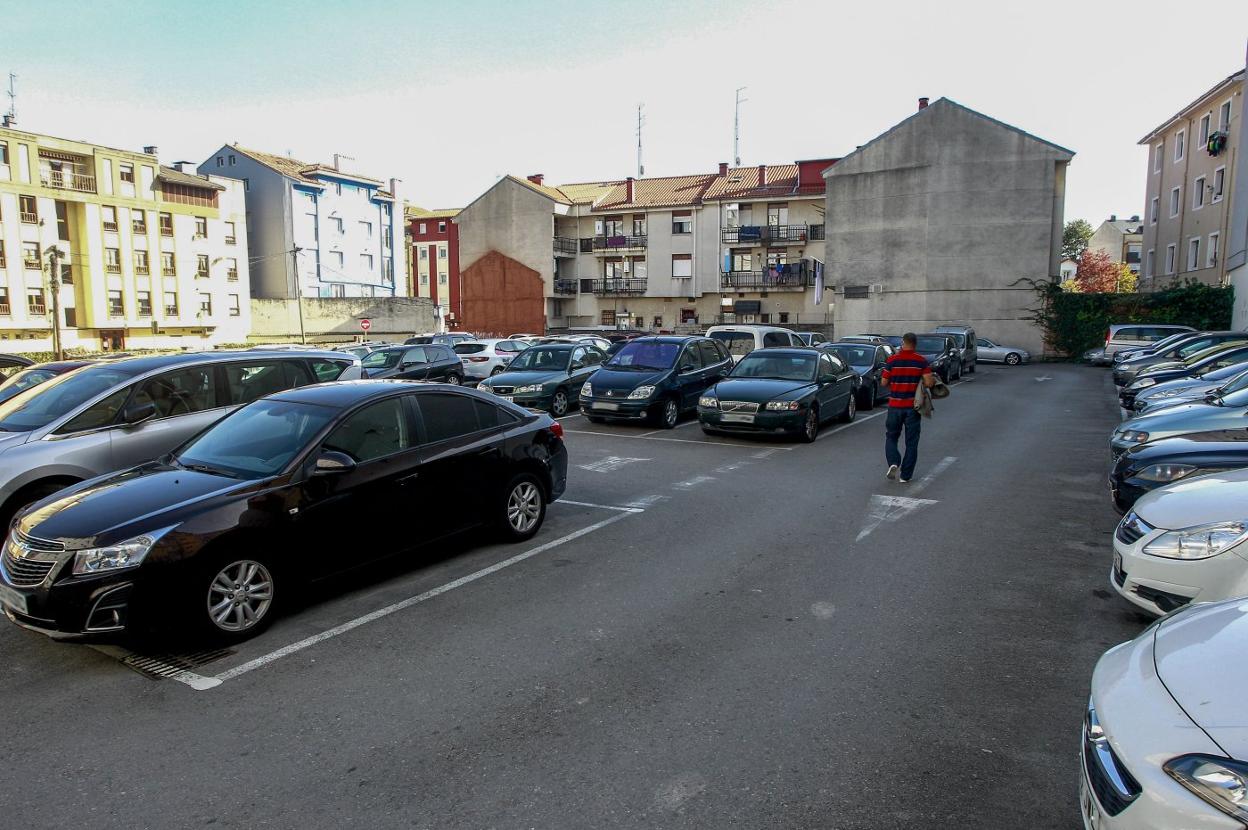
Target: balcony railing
168,270
816,231
564,246
29,217
142,270
112,267
230,240
792,277
609,244
139,228
81,182
4,310
766,234
611,286
565,286
31,264
232,275
166,229
36,307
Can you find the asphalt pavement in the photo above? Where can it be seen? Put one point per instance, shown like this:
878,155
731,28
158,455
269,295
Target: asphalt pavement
709,632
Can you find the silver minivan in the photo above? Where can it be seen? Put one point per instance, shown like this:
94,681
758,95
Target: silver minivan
967,342
118,414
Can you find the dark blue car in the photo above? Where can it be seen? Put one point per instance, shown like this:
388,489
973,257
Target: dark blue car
655,379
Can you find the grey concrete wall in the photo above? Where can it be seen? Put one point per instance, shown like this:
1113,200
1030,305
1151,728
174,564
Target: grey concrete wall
338,318
513,220
946,213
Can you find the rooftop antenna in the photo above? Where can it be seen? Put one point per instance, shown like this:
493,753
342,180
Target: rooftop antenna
641,168
736,127
10,117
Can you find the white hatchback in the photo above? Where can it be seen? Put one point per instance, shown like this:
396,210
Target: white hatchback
1163,738
486,358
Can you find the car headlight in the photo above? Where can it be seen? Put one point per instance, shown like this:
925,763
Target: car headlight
1199,542
1221,782
587,390
783,406
708,402
641,392
532,387
1143,383
1133,436
1165,472
127,554
1169,393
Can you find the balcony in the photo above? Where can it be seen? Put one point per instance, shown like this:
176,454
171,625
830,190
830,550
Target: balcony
139,228
565,287
793,277
564,246
142,270
816,232
112,267
29,217
230,240
612,244
66,180
764,235
4,308
617,286
231,275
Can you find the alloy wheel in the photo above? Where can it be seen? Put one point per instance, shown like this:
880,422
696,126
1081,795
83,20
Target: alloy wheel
1012,359
524,507
851,411
240,595
812,424
559,403
671,413
453,380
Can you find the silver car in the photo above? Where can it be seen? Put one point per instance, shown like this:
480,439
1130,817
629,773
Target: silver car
118,414
990,351
486,358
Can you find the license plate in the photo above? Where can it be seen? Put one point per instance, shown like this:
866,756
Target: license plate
12,599
1117,562
736,418
508,398
609,407
1092,817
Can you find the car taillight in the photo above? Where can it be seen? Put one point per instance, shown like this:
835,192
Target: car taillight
556,429
476,359
1107,338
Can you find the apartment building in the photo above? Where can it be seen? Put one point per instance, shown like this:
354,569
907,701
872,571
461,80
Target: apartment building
662,254
316,230
1190,177
434,240
1122,240
148,256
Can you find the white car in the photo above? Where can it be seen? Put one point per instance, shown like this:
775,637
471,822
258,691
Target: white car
1164,726
1184,543
486,358
743,338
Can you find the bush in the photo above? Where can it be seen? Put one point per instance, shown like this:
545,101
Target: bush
1073,323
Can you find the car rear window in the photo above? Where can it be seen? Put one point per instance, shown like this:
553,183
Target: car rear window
739,343
776,338
469,348
447,415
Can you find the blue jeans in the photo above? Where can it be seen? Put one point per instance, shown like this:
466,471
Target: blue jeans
913,423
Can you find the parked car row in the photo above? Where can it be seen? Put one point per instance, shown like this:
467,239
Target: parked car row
1161,744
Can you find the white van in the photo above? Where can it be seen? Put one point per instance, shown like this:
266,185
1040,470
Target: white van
746,337
1127,336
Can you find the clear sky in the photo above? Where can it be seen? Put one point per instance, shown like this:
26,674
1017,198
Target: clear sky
448,96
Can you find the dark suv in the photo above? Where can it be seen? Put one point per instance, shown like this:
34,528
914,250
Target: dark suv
428,362
655,378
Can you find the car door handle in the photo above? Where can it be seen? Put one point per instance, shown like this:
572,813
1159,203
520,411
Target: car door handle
409,477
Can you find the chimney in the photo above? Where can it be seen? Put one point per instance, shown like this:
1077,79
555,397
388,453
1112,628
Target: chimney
536,178
1113,217
762,175
629,189
336,157
1135,218
150,149
394,187
184,166
723,168
922,103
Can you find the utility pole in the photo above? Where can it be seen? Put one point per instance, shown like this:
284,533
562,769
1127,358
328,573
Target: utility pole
294,269
641,169
736,127
10,117
55,256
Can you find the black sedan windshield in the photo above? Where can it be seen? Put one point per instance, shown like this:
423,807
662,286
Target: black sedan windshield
781,367
55,398
540,359
930,345
645,355
256,441
855,355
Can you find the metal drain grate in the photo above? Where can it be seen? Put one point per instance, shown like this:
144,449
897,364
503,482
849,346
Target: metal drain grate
165,666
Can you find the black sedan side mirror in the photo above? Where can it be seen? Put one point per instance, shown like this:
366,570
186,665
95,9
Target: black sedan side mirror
137,413
575,366
331,462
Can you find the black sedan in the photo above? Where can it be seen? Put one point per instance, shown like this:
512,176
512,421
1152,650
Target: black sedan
867,360
1154,464
546,377
943,353
1201,363
32,376
427,362
781,391
289,489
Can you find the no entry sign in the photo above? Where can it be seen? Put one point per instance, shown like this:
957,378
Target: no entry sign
366,324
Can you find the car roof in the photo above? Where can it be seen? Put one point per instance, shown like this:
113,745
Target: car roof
1175,327
785,351
63,365
747,327
350,392
666,338
560,346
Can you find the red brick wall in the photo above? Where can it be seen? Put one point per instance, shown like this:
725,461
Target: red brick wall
502,297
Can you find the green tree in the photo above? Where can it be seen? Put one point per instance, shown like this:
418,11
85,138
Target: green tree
1075,238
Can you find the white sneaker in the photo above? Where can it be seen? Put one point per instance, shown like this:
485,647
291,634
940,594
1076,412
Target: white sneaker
892,472
904,480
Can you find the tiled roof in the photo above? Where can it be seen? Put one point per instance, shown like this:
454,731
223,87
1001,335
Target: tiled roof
672,191
743,182
415,212
291,168
544,189
586,193
175,176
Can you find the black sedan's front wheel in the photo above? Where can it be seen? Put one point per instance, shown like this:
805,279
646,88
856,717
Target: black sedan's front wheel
810,426
238,592
559,403
523,508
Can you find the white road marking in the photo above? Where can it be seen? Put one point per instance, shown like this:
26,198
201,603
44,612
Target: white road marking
1043,379
610,463
940,467
852,423
646,501
196,681
692,423
338,630
690,483
765,453
629,509
736,465
657,438
889,509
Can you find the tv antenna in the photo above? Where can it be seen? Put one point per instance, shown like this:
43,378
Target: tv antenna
10,117
736,127
641,168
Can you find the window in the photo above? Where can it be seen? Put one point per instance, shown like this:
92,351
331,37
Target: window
245,382
613,268
1219,180
784,317
367,229
741,259
166,224
421,228
232,305
1158,150
1211,250
1180,143
30,256
232,159
441,278
230,238
441,252
447,415
112,260
682,266
2,262
337,258
201,265
1198,193
386,239
180,392
1153,208
424,253
246,185
1204,128
1170,258
638,264
710,355
338,188
4,301
608,317
100,414
34,302
1224,117
205,304
682,221
201,227
138,221
231,269
1176,201
775,338
374,432
171,303
126,169
116,306
366,262
424,279
141,265
220,161
1193,253
4,152
777,214
441,227
1150,262
108,214
167,268
28,210
143,299
327,370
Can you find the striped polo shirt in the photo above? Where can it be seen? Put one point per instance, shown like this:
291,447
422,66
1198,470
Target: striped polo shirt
904,371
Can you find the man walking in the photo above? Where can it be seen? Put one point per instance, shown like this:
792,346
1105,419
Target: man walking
902,375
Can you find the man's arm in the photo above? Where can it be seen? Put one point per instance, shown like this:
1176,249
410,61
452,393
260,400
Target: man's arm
929,380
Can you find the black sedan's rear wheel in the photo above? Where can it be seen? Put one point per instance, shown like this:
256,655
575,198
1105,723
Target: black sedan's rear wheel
851,410
522,509
453,379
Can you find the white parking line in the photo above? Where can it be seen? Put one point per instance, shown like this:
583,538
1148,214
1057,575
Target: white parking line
610,463
940,467
196,681
629,509
692,423
657,438
852,423
307,642
693,482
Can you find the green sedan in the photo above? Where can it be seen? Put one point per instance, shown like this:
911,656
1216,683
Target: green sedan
546,377
781,390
